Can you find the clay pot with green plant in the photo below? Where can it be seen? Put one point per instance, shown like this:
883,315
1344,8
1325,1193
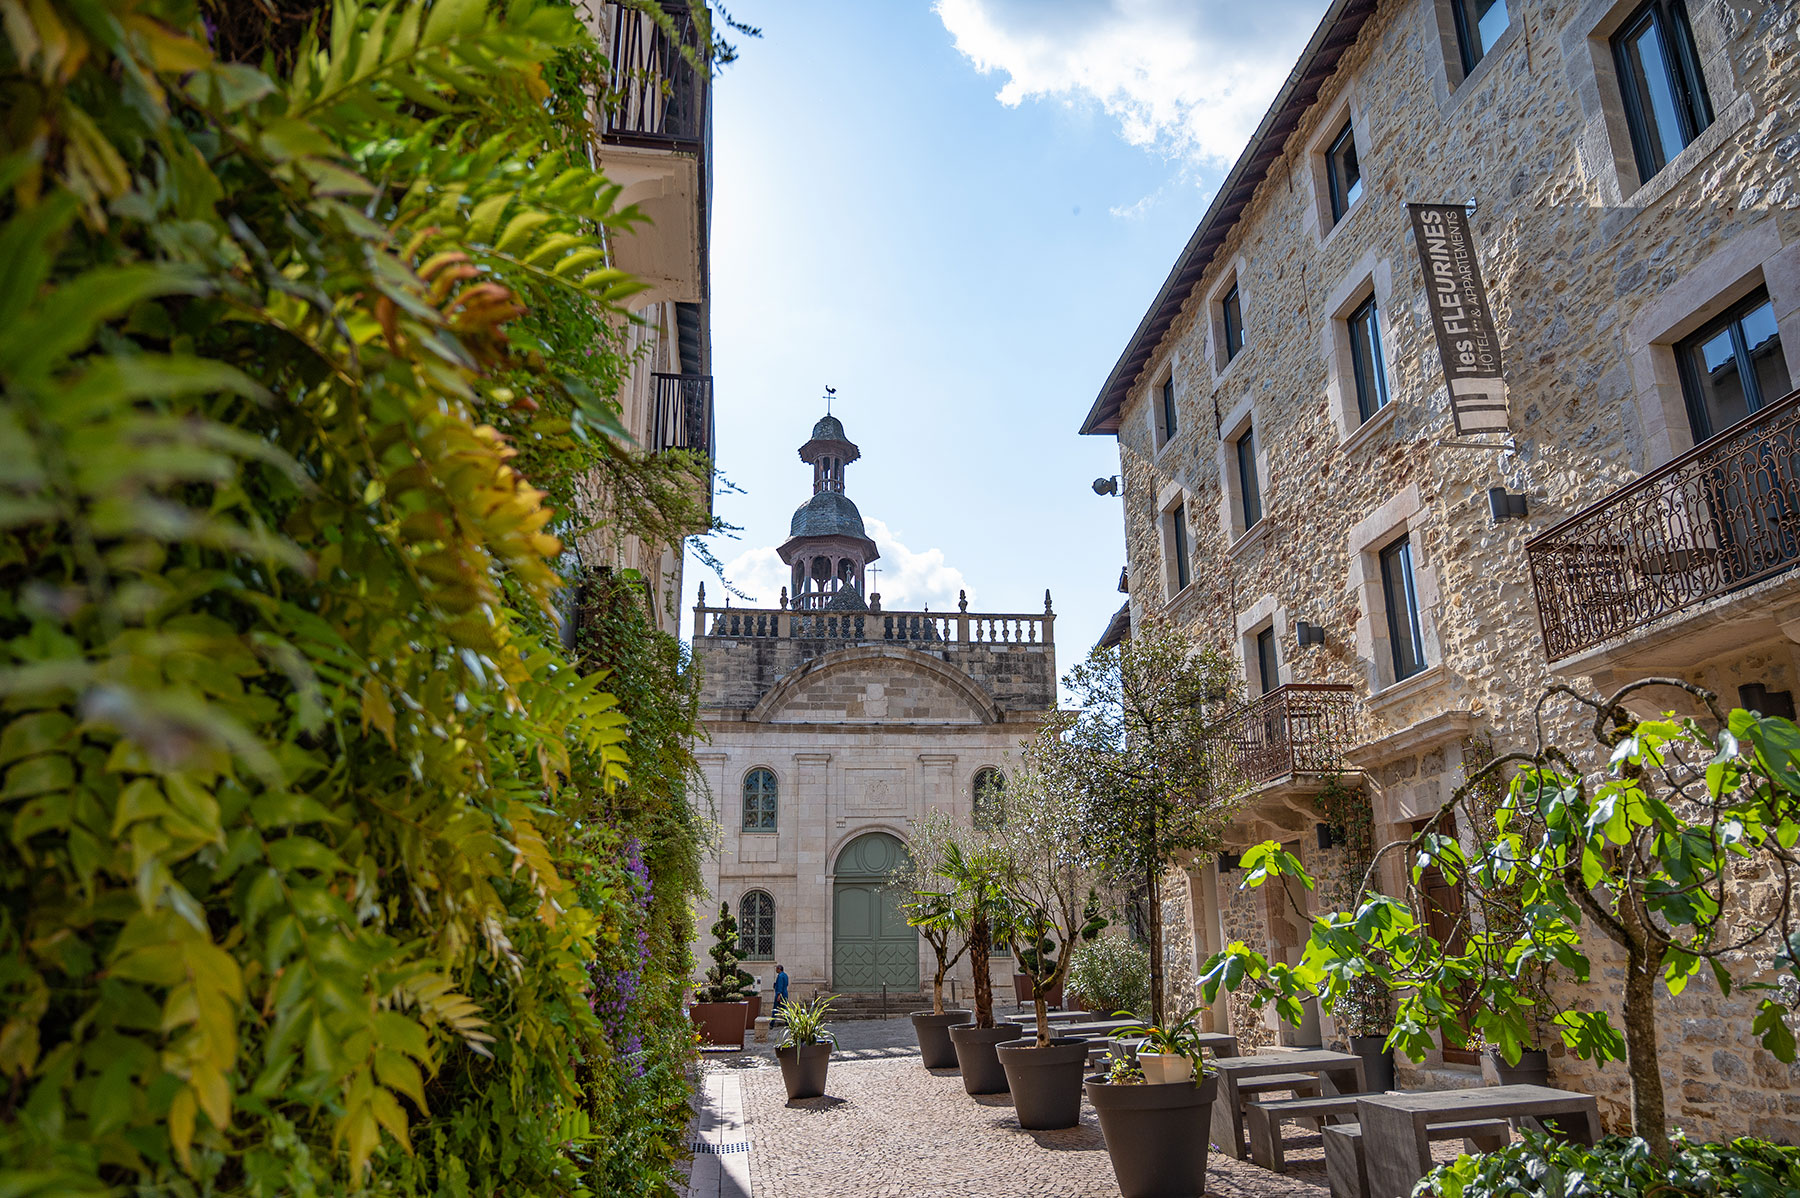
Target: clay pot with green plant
975,900
1157,1132
721,1009
805,1049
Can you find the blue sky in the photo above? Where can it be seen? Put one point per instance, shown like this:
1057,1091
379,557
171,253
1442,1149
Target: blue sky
956,214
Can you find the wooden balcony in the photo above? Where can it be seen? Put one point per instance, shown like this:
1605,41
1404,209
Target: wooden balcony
1295,731
655,98
1721,518
684,413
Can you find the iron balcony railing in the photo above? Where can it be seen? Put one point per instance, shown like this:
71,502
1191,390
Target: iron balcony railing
1293,731
1717,519
684,413
654,96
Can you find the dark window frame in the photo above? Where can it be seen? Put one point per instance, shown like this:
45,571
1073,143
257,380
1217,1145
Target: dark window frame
1250,498
1398,583
1337,185
1231,315
765,815
1468,33
1699,419
1366,358
987,793
1184,572
1171,418
1687,82
752,936
1268,662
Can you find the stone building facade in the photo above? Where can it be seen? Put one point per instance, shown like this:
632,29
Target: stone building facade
831,725
1282,407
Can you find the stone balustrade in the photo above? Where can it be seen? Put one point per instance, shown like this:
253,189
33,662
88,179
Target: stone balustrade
994,630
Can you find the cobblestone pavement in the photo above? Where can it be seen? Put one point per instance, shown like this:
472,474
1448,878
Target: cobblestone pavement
889,1128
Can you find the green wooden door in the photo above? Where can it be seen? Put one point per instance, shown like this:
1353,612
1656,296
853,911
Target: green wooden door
871,944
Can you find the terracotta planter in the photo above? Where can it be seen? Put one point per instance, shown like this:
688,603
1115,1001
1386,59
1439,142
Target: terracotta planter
755,1011
1533,1068
1045,1082
981,1071
1156,1135
1164,1068
1378,1061
803,1069
720,1024
1022,991
933,1031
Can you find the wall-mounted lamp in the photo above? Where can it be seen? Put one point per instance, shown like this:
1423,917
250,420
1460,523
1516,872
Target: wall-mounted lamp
1504,505
1309,634
1106,486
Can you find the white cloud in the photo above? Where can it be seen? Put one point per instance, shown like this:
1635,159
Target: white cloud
1190,78
909,579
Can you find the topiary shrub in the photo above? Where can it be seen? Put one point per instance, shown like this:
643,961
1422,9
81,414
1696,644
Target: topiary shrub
1111,974
725,982
1618,1167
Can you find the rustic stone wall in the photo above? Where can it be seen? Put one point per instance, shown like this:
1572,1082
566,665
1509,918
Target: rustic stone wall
1583,265
738,672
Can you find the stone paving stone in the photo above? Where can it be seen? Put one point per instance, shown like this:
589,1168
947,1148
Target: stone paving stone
888,1128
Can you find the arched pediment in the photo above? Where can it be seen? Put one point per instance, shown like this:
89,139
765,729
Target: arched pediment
867,684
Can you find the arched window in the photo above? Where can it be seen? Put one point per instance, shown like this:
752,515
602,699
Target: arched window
760,793
756,926
990,798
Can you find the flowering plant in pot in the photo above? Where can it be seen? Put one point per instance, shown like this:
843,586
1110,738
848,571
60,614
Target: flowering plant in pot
1157,1131
721,1006
935,914
805,1049
1044,882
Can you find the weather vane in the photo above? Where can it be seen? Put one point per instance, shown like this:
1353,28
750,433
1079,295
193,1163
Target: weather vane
830,394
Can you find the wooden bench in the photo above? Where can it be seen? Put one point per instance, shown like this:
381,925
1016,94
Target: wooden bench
1301,1084
1347,1164
1262,1121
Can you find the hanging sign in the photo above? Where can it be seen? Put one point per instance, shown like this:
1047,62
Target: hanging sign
1467,336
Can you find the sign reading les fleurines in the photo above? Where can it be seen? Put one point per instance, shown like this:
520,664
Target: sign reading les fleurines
1468,339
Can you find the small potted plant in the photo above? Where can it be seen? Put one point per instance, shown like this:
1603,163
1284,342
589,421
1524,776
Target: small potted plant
805,1049
1167,1054
721,1009
1156,1132
939,921
1366,1014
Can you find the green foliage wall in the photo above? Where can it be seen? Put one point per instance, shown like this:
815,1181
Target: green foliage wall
324,868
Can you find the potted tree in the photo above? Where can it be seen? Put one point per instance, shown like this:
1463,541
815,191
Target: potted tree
805,1049
721,1009
1156,1132
974,873
1366,1015
1110,973
1043,881
932,911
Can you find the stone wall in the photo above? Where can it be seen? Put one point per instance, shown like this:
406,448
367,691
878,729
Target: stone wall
1592,277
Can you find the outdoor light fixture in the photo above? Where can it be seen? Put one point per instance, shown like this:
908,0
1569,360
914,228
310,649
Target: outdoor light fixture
1504,505
1309,634
1106,486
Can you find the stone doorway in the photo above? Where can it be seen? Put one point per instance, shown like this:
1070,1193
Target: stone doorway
871,945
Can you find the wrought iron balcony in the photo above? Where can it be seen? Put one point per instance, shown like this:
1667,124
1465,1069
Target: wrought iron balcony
684,413
1294,731
1715,520
654,96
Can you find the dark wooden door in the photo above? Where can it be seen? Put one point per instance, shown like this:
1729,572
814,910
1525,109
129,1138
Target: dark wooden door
1443,915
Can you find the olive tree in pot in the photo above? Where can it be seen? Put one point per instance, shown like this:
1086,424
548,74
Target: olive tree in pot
974,899
1156,1132
934,912
805,1049
721,1008
1044,883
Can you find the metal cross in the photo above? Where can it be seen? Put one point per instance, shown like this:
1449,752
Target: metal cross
875,583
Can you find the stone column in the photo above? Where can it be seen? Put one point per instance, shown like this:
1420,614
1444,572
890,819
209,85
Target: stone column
811,817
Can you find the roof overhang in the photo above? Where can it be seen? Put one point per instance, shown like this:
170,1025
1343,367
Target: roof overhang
1337,32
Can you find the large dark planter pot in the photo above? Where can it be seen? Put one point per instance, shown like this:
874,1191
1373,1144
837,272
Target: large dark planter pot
1045,1082
721,1024
755,1011
803,1069
1022,991
1378,1061
981,1071
1156,1135
933,1031
1533,1068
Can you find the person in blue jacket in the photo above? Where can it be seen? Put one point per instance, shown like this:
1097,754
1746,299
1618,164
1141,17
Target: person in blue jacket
781,987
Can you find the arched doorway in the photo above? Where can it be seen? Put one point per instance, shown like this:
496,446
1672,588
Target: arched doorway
871,944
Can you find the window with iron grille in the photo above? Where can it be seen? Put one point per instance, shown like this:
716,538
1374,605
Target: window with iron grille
1666,104
990,799
760,797
756,926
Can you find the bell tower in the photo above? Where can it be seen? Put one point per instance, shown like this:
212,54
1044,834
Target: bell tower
827,549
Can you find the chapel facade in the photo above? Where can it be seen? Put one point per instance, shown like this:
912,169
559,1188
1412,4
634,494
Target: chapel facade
833,724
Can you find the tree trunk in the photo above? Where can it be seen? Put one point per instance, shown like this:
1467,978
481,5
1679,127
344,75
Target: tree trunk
937,989
1649,1116
1156,947
984,985
1042,1006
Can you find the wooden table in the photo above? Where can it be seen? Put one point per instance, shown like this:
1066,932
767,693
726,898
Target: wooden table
1342,1073
1394,1125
